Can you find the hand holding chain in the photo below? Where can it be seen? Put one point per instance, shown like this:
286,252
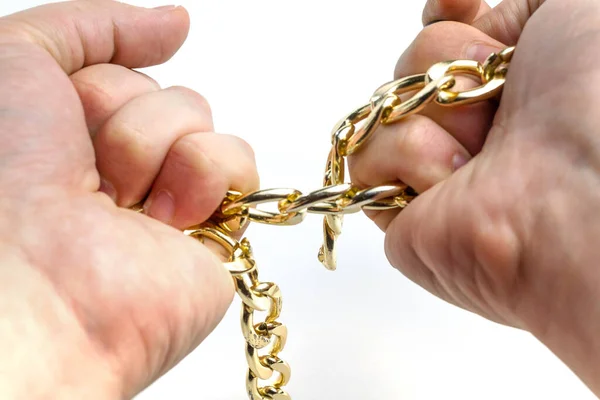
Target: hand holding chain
333,200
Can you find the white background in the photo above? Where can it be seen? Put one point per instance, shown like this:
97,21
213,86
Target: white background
280,74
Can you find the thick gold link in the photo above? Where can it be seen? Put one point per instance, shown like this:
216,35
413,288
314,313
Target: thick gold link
244,204
335,169
354,138
312,199
330,200
497,61
492,79
419,101
265,393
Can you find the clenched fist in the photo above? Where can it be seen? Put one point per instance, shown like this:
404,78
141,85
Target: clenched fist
97,301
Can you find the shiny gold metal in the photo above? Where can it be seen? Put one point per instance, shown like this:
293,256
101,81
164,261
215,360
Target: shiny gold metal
491,81
231,223
390,103
496,61
335,169
246,204
313,199
419,101
354,138
256,296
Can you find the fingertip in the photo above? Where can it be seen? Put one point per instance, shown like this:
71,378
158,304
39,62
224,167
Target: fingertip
202,103
394,239
169,27
405,230
178,17
160,206
465,11
82,33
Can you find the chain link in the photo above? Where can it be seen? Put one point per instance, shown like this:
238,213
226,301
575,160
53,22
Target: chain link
388,104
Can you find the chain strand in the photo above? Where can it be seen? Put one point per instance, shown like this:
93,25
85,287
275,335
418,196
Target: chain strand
389,104
269,335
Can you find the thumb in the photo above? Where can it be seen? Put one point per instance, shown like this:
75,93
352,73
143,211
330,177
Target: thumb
506,22
453,240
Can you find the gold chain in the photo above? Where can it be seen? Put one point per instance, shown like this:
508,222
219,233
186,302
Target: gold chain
261,296
333,200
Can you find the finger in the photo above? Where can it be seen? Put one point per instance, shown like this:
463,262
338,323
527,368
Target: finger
132,144
82,33
104,88
449,41
197,173
506,22
465,11
43,128
415,151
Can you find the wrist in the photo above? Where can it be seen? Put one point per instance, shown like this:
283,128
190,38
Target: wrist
562,304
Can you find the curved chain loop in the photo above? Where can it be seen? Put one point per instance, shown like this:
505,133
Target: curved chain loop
497,64
238,206
420,100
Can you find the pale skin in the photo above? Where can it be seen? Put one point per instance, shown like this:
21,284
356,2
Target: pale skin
505,224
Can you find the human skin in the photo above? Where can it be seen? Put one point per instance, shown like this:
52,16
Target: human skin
97,301
507,219
83,281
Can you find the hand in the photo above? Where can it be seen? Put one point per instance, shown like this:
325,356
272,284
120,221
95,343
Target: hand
507,221
98,301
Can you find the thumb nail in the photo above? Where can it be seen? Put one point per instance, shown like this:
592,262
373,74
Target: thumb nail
458,161
108,188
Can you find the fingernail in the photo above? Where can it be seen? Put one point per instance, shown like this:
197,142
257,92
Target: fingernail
458,161
480,51
166,8
108,188
161,207
435,21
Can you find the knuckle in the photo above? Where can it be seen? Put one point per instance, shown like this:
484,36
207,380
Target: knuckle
244,146
199,100
413,137
151,81
406,63
245,170
188,153
427,47
119,137
98,99
497,252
